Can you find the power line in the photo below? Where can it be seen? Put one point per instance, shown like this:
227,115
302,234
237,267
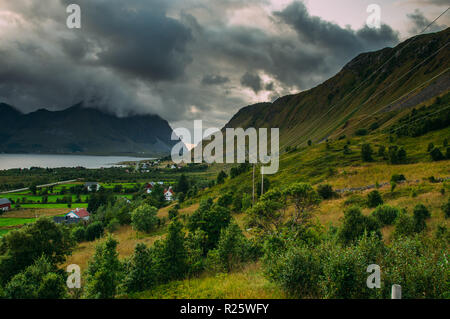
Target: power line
376,71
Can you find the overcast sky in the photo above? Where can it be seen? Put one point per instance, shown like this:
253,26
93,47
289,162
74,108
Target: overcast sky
188,59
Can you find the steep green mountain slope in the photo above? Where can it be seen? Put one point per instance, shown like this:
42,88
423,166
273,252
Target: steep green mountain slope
372,88
82,130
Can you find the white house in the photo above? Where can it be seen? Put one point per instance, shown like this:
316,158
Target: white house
168,194
79,213
92,186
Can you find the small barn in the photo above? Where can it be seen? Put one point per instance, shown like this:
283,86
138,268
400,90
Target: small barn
5,204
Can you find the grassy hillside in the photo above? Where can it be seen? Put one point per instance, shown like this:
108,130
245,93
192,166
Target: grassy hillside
372,88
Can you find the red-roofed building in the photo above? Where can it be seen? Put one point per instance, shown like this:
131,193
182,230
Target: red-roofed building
168,193
149,187
5,204
78,213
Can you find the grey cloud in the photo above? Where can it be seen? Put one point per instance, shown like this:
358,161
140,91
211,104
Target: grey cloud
211,79
157,56
252,81
420,22
328,36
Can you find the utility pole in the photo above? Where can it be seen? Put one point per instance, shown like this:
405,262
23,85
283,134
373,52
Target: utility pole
262,180
253,196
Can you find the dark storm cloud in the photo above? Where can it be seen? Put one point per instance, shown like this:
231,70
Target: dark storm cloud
211,79
420,22
252,81
179,59
136,37
345,43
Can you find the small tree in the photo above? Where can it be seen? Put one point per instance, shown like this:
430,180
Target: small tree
144,218
356,224
374,199
94,231
304,198
104,271
421,213
446,209
221,177
325,191
366,152
436,154
79,234
385,214
139,270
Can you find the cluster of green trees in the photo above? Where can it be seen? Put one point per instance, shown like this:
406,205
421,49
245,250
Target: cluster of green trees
425,119
29,259
214,243
394,154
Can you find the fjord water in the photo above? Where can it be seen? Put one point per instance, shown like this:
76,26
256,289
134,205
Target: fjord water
8,161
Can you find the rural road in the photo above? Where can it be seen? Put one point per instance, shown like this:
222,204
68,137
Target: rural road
40,186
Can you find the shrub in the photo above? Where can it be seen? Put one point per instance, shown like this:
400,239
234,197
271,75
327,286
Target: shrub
386,214
173,213
221,177
361,132
113,225
297,270
232,247
446,208
139,270
404,225
398,178
366,152
94,231
79,234
421,213
38,281
226,199
374,199
436,154
144,218
325,191
104,271
356,224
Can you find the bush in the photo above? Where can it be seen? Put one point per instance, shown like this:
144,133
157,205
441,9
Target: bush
356,224
79,234
104,271
225,200
113,225
232,247
94,231
446,208
386,215
297,270
361,132
398,178
325,191
404,225
144,218
39,281
374,199
366,152
139,270
421,213
436,154
173,213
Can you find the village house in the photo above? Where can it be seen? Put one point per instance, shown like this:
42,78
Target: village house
168,194
74,216
92,186
149,187
5,204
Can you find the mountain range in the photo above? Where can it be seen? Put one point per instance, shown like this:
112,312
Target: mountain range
369,91
83,130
